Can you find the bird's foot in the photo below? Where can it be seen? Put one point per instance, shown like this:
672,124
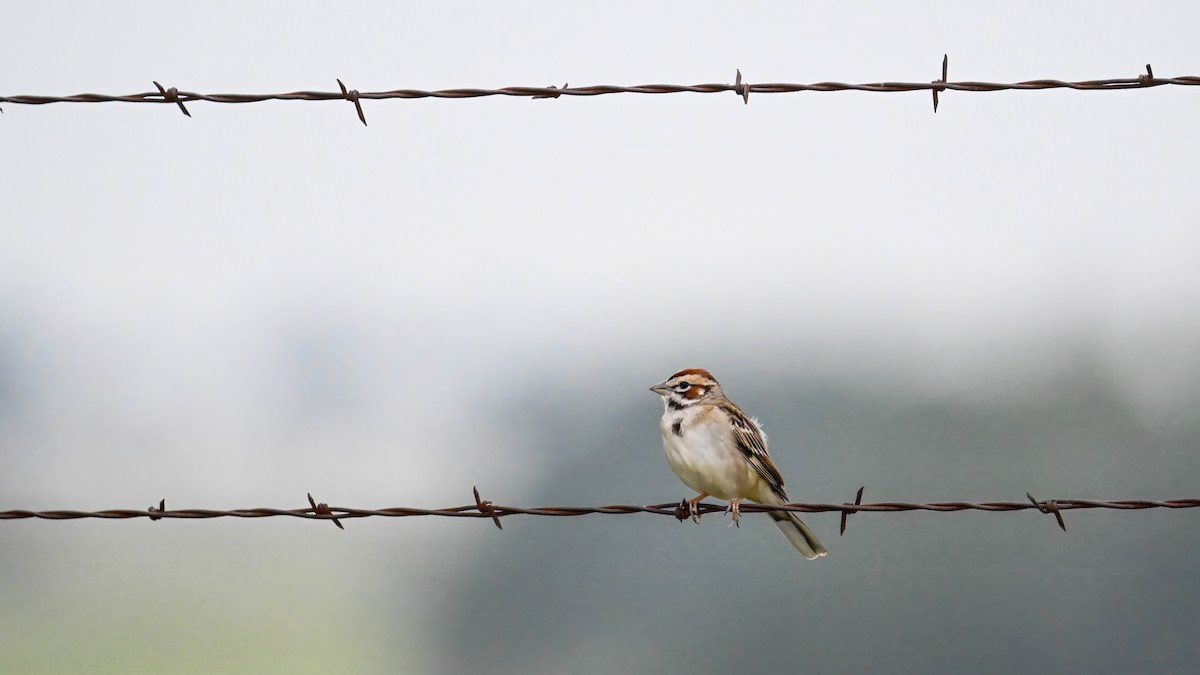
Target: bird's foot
735,509
693,507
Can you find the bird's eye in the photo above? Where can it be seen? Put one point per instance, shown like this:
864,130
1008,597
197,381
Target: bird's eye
682,386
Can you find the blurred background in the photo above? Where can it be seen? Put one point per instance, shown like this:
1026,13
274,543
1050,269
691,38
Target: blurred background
264,300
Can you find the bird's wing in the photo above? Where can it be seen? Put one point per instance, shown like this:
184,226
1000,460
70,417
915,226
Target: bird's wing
751,441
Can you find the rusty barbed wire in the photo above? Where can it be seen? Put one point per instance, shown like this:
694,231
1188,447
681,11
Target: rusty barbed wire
173,95
486,509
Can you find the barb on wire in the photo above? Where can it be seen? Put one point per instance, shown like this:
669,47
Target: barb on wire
939,85
324,510
742,89
1050,506
846,512
352,96
555,94
1147,80
171,96
162,506
484,506
486,509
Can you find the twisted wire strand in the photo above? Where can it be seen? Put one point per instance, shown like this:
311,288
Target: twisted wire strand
600,90
488,510
179,97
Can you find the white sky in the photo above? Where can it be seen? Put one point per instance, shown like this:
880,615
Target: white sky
184,302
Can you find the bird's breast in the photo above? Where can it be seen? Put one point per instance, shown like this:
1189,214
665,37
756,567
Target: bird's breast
700,449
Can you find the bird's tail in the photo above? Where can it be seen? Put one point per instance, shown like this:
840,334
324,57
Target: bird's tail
796,531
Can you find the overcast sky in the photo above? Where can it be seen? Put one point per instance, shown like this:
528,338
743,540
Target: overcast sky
264,300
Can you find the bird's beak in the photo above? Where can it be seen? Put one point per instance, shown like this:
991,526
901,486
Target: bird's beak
661,389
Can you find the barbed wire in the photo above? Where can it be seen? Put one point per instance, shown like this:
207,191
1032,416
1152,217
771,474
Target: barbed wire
173,95
486,509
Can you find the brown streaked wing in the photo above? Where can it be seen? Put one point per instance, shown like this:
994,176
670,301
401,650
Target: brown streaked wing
753,446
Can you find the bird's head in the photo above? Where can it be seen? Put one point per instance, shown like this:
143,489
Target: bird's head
688,387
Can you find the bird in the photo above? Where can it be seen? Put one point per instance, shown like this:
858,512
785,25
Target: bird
720,451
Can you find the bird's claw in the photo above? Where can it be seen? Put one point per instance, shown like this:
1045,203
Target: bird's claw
734,508
690,507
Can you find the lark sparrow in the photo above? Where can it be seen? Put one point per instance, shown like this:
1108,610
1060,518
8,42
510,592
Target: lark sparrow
718,450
